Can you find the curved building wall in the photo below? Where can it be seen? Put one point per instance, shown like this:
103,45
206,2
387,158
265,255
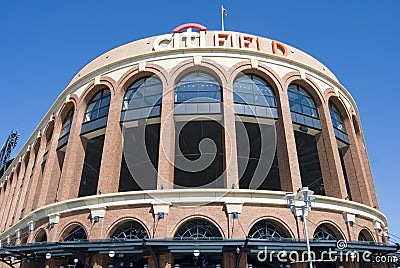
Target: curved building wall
69,172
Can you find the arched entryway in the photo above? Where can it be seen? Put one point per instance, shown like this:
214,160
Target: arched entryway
197,229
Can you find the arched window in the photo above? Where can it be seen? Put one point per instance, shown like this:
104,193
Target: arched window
197,92
338,123
252,95
41,236
142,99
65,129
324,232
130,230
303,107
67,122
362,237
365,236
268,230
98,106
198,229
304,113
76,234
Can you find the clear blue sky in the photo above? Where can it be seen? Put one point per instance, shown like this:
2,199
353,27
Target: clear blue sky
44,43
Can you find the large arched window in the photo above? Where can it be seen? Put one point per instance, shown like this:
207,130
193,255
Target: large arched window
303,107
324,232
338,123
258,167
92,133
306,125
252,95
268,230
342,142
142,99
130,230
98,106
198,229
76,234
198,93
141,141
67,122
65,128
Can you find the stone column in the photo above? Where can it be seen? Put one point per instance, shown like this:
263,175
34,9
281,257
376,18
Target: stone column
17,196
368,179
51,173
10,198
329,158
3,198
230,146
359,183
5,193
166,154
287,153
26,182
74,159
29,206
112,150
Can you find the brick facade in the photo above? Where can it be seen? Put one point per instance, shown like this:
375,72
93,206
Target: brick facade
31,186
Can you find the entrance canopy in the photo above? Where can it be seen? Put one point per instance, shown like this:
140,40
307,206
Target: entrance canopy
154,247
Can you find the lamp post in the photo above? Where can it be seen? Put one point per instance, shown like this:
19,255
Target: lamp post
305,195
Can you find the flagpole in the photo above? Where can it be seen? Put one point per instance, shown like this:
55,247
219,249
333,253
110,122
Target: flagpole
222,18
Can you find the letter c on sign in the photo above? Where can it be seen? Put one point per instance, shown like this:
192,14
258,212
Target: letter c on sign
157,42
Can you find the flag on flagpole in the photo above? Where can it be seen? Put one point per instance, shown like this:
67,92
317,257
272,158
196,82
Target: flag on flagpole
224,12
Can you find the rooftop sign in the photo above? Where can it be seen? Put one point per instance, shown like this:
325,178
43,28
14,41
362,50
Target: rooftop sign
201,38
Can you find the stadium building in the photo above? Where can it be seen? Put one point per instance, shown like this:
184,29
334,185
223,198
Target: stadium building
195,148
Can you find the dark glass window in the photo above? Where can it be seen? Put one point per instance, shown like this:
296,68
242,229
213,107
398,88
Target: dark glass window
143,99
66,125
189,148
198,229
362,237
251,89
254,97
91,166
337,118
99,105
338,124
301,102
257,159
130,230
266,230
323,232
76,234
198,87
140,158
310,168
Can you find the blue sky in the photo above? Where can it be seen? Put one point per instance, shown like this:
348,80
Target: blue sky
44,43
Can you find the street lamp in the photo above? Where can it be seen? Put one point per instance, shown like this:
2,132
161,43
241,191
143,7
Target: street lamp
48,256
305,195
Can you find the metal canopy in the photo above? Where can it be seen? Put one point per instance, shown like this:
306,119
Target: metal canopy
155,247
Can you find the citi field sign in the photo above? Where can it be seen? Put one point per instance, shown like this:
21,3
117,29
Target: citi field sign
183,36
